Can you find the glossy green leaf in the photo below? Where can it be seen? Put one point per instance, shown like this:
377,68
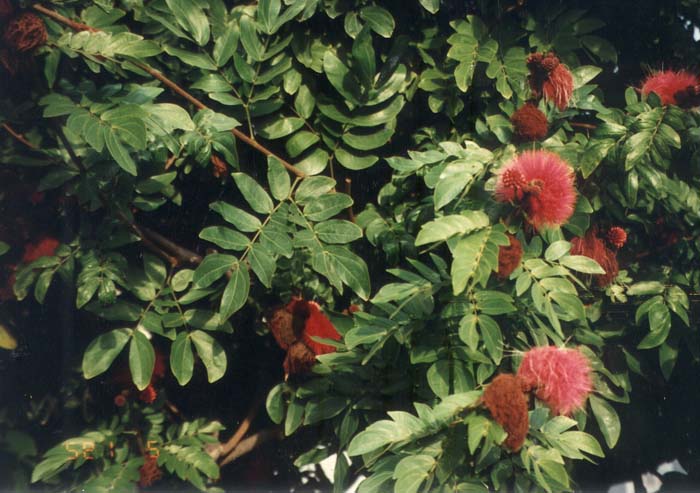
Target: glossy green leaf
102,351
182,358
142,359
211,353
254,194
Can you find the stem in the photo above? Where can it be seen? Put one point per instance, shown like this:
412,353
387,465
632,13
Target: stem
18,136
243,428
63,20
251,443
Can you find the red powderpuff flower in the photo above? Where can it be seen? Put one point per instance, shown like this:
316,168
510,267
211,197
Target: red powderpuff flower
543,184
672,87
507,404
550,78
509,257
616,236
281,324
149,472
25,32
529,123
148,395
300,359
561,377
594,247
316,325
45,247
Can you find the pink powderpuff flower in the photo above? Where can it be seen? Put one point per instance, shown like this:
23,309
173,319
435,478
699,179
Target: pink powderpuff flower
560,377
592,246
543,184
673,87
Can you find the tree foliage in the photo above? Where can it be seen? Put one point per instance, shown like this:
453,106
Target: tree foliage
213,160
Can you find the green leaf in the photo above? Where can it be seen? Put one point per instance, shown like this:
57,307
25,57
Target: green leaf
456,176
607,418
411,472
645,288
379,19
225,44
226,238
263,264
295,417
352,161
364,57
182,358
278,178
254,194
445,227
431,6
557,250
119,153
211,353
212,268
267,13
439,378
199,60
327,206
192,18
142,359
341,77
338,231
102,351
581,263
276,128
236,292
275,404
249,39
242,220
476,256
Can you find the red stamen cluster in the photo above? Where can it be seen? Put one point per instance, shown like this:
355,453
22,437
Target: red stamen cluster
294,327
616,236
674,87
592,246
543,184
529,123
505,400
45,247
509,257
560,377
550,78
149,472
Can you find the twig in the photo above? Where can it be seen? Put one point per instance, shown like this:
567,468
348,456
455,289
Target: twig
63,20
170,161
348,190
225,448
589,126
251,443
183,254
18,136
175,88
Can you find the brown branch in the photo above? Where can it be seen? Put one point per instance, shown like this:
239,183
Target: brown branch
252,442
235,440
170,161
588,126
175,88
63,20
183,254
18,136
348,191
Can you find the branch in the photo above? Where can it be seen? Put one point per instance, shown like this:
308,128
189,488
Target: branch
225,448
175,88
183,254
252,442
18,136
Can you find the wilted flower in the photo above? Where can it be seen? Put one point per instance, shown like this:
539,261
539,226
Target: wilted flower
674,87
592,246
529,123
148,395
551,78
294,327
219,167
45,247
149,472
616,236
543,184
509,257
25,32
560,377
507,404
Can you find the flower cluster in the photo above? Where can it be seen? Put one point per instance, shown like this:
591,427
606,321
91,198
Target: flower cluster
149,472
149,394
22,33
542,183
560,377
592,245
505,400
529,123
44,247
294,327
674,87
550,78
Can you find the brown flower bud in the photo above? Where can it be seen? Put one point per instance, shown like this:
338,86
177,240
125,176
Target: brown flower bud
300,359
25,32
219,166
281,325
529,123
